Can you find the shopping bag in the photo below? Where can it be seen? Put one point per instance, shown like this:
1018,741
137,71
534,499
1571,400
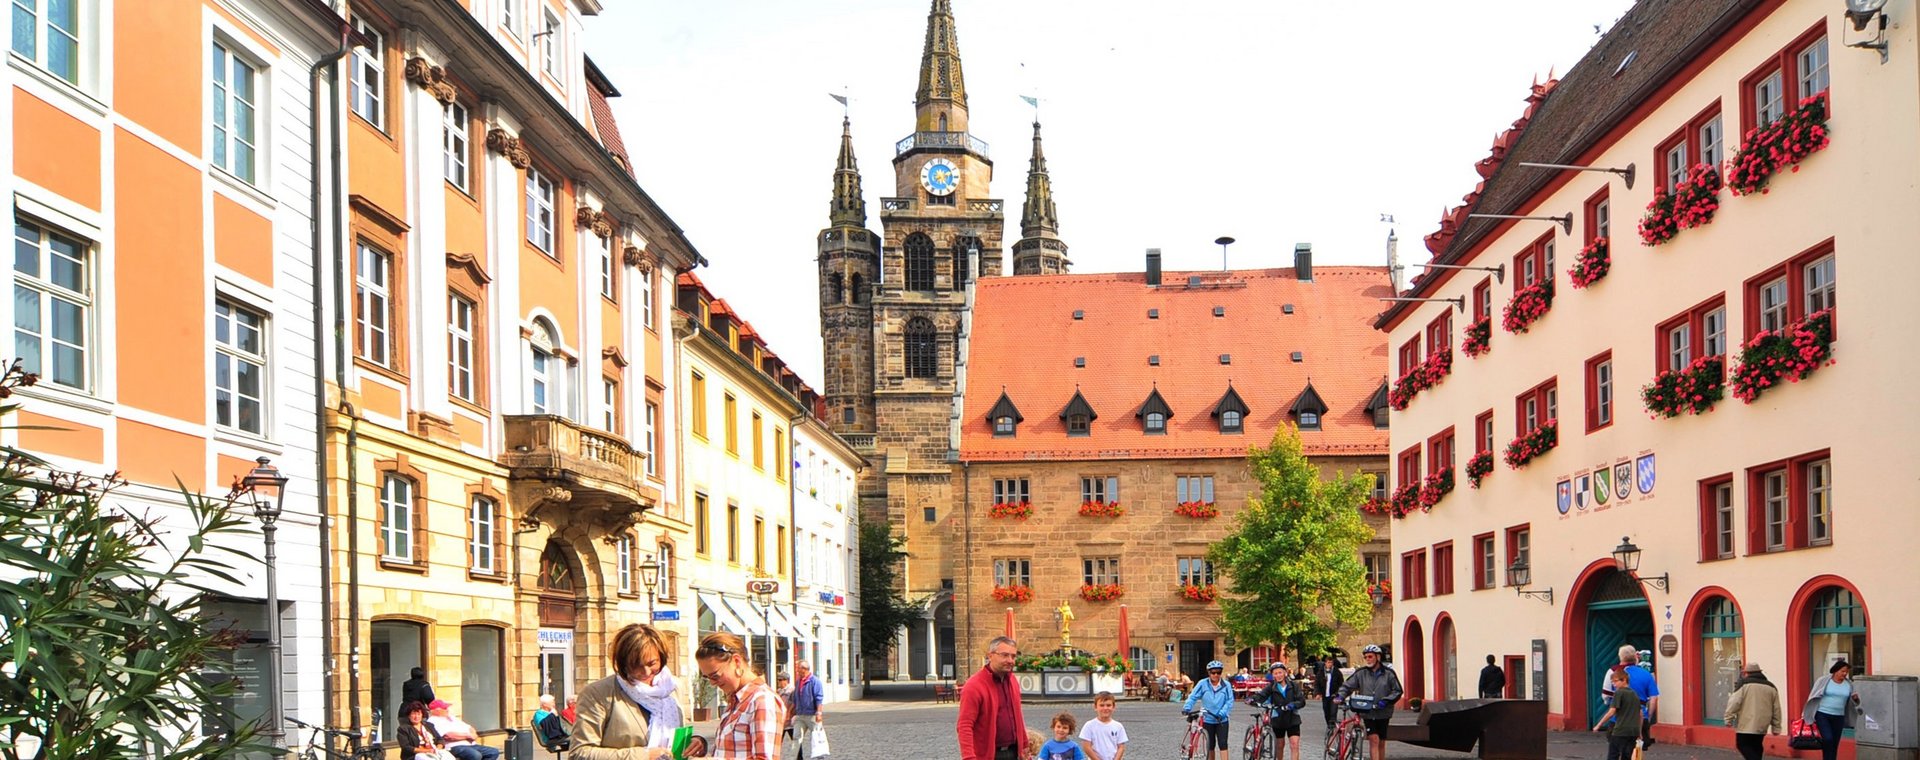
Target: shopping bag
1803,735
817,744
1639,750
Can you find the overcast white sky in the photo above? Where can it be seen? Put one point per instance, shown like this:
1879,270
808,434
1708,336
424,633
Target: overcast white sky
1167,124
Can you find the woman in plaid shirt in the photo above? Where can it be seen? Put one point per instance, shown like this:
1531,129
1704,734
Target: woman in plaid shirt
751,728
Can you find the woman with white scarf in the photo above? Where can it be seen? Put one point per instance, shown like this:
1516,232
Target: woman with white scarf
629,715
655,694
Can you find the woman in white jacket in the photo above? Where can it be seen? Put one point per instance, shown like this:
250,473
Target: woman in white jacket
1830,706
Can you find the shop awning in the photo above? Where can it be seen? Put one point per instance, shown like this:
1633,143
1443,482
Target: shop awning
723,615
784,625
749,614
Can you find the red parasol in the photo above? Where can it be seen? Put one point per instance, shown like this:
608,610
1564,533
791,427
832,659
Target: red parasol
1125,635
1009,622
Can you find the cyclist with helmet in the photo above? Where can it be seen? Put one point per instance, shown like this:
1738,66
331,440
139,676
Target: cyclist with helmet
1215,698
1373,685
1282,698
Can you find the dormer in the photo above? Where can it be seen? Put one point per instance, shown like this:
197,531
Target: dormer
1153,414
1377,406
1308,408
1231,412
1004,417
1078,415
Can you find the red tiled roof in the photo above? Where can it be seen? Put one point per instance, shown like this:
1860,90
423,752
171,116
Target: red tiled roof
1025,340
606,128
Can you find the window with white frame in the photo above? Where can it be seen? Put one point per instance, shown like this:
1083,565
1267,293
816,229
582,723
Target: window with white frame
1723,520
367,88
453,143
543,367
1714,327
1100,571
1712,142
1013,572
235,112
373,304
239,367
623,557
510,17
460,327
1774,508
1679,347
550,42
1811,62
540,194
483,528
1603,217
1012,490
1195,571
1819,485
47,32
665,582
397,524
1193,488
52,304
1817,284
606,269
1676,164
646,300
610,405
1773,304
1106,490
1603,392
646,438
1768,100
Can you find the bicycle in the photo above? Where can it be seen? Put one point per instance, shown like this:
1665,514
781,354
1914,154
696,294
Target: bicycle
1261,743
1348,741
319,744
1192,746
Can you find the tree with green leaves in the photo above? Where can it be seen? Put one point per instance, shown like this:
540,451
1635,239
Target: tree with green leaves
1292,565
107,646
884,606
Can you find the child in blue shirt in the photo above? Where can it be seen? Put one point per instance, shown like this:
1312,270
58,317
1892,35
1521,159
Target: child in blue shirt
1063,747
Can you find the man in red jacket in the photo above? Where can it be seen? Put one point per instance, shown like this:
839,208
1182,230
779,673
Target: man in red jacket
991,726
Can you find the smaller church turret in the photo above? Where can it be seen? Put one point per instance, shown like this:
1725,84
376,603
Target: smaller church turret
848,254
1040,250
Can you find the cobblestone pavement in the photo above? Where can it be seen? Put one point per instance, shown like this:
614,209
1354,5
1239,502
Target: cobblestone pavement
894,729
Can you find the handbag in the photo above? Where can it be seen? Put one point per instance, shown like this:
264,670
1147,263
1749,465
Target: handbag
1803,735
817,743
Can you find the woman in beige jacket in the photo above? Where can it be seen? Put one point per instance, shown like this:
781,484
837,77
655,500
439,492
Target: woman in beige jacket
1753,711
612,725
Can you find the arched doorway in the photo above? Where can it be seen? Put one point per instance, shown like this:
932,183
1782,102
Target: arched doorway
559,588
1607,609
1446,659
1413,676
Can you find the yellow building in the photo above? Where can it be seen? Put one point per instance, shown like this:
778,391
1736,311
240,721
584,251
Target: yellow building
1763,525
498,460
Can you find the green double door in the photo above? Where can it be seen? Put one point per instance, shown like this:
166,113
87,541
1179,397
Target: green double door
1610,624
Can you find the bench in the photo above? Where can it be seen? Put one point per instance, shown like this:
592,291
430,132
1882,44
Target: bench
943,692
1504,729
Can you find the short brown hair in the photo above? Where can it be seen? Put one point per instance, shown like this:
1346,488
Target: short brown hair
1066,719
630,645
720,646
1105,696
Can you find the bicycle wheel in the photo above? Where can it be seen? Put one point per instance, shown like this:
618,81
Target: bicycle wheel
1271,741
1194,737
1334,750
1356,742
1250,747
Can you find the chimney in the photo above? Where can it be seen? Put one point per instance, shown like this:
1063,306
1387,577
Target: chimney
1393,263
1303,262
1153,267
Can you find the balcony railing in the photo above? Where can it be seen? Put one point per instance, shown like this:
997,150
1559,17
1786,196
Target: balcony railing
861,442
940,140
547,447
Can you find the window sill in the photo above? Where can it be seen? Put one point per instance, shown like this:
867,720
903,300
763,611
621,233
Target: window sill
471,406
403,565
73,93
254,441
368,123
485,576
67,397
397,375
243,187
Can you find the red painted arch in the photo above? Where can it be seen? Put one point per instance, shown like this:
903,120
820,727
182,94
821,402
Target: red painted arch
1573,645
1443,629
1413,677
1692,653
1799,618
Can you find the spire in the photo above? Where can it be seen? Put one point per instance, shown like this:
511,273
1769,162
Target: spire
940,105
1037,216
849,206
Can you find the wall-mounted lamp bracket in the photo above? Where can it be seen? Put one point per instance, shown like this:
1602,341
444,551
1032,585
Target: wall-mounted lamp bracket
1545,596
1499,271
1459,302
1625,174
1564,220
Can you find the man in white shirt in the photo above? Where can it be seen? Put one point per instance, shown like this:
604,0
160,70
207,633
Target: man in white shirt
460,737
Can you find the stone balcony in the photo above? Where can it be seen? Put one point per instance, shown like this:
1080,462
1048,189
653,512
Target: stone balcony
558,465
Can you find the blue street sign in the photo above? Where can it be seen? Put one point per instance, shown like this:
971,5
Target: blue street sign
659,615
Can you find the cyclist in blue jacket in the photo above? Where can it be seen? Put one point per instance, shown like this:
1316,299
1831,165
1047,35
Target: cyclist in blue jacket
1215,697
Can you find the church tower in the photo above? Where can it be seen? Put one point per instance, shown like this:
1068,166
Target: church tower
848,258
1040,250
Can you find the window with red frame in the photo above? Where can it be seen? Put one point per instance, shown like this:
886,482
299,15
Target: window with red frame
1717,537
1410,465
1700,141
1535,263
1410,355
1692,334
1790,504
1599,216
1443,568
1485,566
1520,545
1600,391
1440,333
1413,574
1483,300
1797,72
1535,407
1790,291
1483,432
1440,451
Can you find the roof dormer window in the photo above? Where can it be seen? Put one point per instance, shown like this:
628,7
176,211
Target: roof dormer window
1077,424
1003,426
1231,411
1004,417
1307,408
1154,414
1377,406
1156,422
1078,415
1230,421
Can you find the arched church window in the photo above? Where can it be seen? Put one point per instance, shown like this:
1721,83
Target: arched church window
919,262
839,284
859,289
920,348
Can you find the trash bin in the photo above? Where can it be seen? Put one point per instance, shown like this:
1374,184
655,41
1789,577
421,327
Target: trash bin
519,745
1889,721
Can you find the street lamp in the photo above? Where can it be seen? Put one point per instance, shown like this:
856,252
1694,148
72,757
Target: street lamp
1626,559
1519,575
815,625
763,594
267,489
650,575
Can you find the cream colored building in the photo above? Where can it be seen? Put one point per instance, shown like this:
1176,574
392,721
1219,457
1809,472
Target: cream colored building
1778,527
826,570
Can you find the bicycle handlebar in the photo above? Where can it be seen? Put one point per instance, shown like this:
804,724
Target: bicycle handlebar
337,732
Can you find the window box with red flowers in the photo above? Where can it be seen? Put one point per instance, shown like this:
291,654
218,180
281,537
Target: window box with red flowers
1195,593
1693,390
1529,304
1406,500
1542,440
1381,591
1477,338
1785,142
1591,266
1017,510
1012,593
1198,510
1102,592
1479,467
1424,375
1684,206
1437,487
1102,509
1377,506
1789,354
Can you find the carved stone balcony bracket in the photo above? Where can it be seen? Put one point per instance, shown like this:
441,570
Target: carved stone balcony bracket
601,223
431,78
509,146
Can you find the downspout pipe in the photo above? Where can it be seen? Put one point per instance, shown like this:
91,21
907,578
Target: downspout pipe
793,529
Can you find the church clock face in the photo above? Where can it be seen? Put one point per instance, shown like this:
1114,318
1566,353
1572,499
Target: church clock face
940,177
